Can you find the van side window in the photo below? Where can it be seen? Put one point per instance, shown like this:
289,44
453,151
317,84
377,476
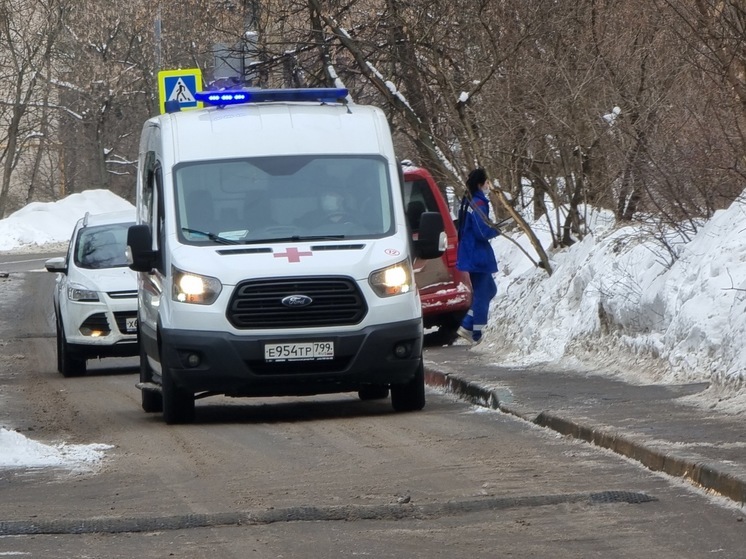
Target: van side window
147,181
152,196
159,232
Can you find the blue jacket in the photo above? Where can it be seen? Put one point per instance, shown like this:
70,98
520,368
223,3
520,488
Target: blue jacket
475,252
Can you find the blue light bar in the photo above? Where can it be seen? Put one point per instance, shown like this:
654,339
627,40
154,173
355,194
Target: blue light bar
222,97
243,96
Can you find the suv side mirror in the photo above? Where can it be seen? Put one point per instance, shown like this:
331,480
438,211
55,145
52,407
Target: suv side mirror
431,240
57,264
140,254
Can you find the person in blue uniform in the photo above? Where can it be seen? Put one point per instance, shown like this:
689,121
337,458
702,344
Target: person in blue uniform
475,254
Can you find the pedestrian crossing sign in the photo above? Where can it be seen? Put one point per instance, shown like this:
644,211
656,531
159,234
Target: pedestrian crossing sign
180,86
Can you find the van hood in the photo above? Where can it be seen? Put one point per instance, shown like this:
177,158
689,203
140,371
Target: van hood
233,264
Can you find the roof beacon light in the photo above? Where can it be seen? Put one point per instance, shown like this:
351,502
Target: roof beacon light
243,96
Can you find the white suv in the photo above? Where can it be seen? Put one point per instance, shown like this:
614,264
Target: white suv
95,297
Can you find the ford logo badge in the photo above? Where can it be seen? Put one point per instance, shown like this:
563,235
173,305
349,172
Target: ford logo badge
297,301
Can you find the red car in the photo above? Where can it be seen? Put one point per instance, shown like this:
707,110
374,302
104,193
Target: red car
445,291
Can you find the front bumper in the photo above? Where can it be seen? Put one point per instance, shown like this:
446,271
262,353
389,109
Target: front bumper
234,365
101,329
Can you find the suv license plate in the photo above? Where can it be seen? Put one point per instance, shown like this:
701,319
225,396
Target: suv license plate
308,351
130,324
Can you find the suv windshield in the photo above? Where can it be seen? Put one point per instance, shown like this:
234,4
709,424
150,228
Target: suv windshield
102,246
264,199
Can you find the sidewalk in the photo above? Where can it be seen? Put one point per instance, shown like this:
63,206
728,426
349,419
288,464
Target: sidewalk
645,423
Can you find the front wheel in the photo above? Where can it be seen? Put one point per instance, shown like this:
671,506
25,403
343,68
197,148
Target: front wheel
178,404
410,396
68,363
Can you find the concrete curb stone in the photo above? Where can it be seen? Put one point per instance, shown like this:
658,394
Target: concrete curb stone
708,476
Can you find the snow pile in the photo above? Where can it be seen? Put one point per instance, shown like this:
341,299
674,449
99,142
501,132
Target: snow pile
20,452
621,289
42,223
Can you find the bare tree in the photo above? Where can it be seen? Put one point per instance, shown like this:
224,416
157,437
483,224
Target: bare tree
101,94
410,56
636,106
713,39
28,29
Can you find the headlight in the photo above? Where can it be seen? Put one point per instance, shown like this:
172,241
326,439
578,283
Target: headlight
393,280
193,288
80,293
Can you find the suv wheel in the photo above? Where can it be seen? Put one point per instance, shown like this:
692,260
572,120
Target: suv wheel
410,396
68,363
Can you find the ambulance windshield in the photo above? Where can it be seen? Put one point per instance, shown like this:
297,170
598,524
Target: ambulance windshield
283,197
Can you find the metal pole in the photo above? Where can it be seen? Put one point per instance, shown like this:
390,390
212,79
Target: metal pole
249,42
158,38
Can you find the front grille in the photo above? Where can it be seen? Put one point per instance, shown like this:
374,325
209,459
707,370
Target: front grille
123,294
258,304
121,318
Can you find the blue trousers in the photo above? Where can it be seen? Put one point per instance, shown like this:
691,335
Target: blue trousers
484,290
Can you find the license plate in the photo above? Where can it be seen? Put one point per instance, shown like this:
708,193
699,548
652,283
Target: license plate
306,351
130,324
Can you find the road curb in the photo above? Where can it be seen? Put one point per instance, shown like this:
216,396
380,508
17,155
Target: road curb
704,475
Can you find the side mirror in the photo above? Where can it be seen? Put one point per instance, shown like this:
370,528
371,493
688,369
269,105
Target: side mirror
57,264
431,240
140,253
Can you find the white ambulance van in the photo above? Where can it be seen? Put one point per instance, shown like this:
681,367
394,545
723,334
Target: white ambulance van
273,253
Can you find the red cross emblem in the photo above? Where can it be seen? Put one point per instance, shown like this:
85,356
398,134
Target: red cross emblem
292,254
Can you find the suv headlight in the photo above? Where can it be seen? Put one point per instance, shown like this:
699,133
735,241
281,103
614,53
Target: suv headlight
80,293
193,288
393,280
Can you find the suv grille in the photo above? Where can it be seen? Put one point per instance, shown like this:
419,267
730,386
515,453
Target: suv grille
123,294
121,318
258,303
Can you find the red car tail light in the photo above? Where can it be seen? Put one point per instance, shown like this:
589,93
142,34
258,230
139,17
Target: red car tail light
451,254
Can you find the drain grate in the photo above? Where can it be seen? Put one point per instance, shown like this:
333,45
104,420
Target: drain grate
620,497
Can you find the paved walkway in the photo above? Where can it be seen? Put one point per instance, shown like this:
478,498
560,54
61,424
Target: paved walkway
649,423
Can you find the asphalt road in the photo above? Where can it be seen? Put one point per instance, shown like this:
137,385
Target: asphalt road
316,477
15,263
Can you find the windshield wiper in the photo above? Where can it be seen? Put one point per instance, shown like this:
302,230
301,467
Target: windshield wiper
212,236
295,239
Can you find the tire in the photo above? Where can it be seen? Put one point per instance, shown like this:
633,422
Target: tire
59,345
68,363
373,392
410,396
178,404
152,402
448,334
444,335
